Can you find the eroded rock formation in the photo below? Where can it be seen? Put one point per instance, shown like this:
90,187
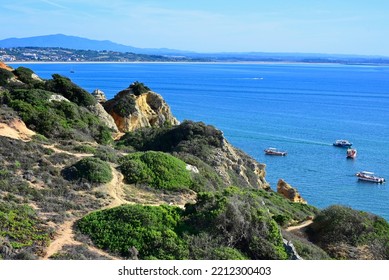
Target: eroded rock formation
289,192
131,111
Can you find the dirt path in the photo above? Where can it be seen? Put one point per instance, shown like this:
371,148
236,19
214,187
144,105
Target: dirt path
77,155
115,188
300,226
65,234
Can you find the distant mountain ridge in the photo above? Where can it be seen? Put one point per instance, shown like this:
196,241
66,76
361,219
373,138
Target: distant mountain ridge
74,42
79,43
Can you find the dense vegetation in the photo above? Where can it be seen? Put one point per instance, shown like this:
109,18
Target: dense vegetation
5,75
231,224
359,234
195,138
156,169
151,230
91,169
56,119
138,88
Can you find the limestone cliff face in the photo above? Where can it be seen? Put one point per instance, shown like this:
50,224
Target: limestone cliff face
131,111
230,161
289,192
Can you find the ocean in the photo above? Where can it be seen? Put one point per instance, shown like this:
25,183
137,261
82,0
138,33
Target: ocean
300,108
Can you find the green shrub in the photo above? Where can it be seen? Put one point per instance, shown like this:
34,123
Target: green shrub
56,119
125,107
240,220
343,225
157,169
194,138
139,88
150,229
5,75
94,170
71,91
25,75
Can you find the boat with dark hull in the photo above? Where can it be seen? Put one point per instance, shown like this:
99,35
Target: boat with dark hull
342,143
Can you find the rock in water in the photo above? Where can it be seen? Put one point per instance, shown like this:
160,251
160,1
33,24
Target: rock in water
289,192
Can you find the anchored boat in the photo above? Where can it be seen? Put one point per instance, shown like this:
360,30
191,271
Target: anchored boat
369,177
342,143
351,153
275,152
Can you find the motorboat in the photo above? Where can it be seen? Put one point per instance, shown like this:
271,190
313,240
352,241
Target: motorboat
369,177
351,153
342,143
275,152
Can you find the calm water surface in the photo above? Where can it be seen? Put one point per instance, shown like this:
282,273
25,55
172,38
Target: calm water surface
299,108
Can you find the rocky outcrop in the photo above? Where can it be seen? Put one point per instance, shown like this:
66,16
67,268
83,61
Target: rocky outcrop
289,192
5,66
230,161
15,129
106,118
291,250
131,111
99,95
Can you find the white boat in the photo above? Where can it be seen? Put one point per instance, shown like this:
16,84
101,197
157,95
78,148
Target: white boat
369,177
342,143
275,152
351,153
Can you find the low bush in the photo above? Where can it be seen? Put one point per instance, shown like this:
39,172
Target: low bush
151,230
64,86
157,169
91,169
240,220
5,75
338,225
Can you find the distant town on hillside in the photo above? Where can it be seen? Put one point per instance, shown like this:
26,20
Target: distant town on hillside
64,48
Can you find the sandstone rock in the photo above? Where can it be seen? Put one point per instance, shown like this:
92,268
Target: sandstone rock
131,111
5,66
289,192
106,118
16,129
99,95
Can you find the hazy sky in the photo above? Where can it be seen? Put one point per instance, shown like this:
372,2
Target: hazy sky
316,26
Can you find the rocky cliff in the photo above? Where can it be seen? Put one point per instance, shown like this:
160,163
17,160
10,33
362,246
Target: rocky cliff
132,111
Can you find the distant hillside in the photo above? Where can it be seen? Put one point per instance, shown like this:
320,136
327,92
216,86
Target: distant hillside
79,43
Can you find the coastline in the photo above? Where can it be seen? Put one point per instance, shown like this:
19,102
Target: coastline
203,63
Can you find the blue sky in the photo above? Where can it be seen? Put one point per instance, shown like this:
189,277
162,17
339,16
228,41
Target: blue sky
324,26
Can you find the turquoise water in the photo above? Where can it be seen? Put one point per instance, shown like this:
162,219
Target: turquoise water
302,109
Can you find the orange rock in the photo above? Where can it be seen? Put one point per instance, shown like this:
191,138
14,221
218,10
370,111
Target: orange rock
289,192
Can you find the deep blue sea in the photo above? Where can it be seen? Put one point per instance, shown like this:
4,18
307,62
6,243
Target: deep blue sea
300,108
